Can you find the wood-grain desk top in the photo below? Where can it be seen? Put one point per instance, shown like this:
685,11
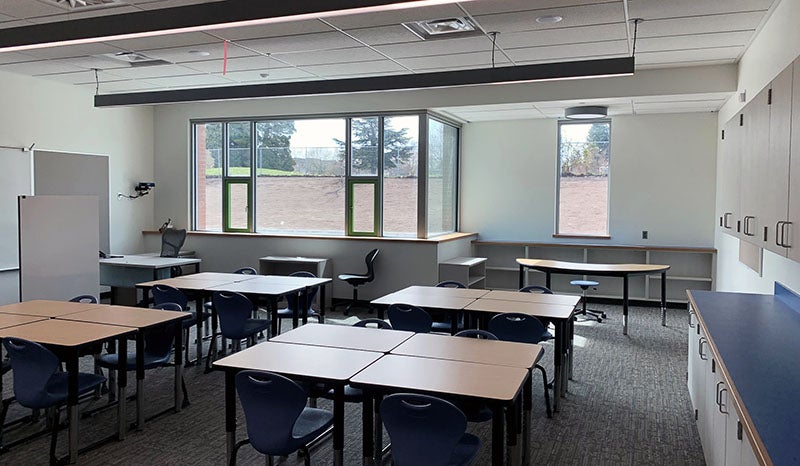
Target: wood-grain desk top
560,299
425,301
66,333
342,336
47,308
259,285
123,316
498,306
317,362
501,353
11,320
485,381
468,293
588,268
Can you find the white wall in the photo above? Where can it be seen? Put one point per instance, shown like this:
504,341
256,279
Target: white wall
62,118
662,179
773,49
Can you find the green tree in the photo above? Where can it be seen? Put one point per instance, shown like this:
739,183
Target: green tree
398,146
272,142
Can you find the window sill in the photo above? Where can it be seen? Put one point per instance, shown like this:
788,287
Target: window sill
435,239
558,235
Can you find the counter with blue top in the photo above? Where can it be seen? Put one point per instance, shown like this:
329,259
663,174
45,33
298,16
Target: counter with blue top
755,341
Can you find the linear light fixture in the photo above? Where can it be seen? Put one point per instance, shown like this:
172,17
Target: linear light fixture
503,75
190,18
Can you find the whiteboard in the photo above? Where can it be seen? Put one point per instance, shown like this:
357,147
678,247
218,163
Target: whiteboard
15,180
58,242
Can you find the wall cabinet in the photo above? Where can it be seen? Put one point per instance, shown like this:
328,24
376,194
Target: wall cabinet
791,229
729,176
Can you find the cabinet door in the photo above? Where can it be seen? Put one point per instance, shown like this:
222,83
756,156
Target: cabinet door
729,159
774,181
733,443
694,364
714,448
748,456
703,402
754,171
791,231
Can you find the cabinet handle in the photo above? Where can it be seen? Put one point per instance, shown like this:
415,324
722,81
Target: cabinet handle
784,235
700,349
777,233
747,219
722,405
691,313
718,395
725,219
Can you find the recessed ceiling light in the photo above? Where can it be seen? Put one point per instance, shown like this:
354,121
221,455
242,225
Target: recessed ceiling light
443,28
549,19
199,53
588,112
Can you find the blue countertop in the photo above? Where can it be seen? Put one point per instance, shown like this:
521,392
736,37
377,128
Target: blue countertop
758,339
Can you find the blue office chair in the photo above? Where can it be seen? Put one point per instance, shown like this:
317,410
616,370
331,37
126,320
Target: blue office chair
541,290
39,383
234,311
446,325
163,294
522,328
427,431
409,317
378,323
293,302
278,421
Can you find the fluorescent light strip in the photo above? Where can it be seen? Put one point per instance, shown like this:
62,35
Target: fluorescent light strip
234,24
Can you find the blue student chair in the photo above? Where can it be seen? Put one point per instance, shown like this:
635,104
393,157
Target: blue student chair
446,325
293,302
163,294
409,317
475,411
278,421
378,323
522,328
541,290
40,384
427,431
234,311
84,298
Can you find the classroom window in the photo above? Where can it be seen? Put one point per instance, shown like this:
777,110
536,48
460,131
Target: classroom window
584,154
354,175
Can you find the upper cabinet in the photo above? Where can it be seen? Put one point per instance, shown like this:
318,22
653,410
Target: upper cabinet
755,148
775,178
789,232
729,170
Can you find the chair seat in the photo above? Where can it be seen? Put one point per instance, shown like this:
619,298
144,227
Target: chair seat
310,424
584,283
110,361
250,328
466,450
57,387
351,394
475,411
354,279
445,326
192,321
287,313
5,367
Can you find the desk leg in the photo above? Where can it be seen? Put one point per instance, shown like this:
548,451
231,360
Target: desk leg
547,280
625,304
338,425
454,321
367,442
178,356
72,404
230,412
122,383
664,299
306,304
139,380
557,362
512,432
570,346
521,276
497,435
527,406
322,304
377,455
272,310
198,308
145,302
295,311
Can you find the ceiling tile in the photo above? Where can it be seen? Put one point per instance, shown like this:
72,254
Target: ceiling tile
350,55
167,41
384,35
29,8
502,6
67,51
14,57
700,25
120,86
569,51
83,77
181,54
688,56
401,15
191,81
438,47
700,105
35,68
366,67
292,28
304,43
649,9
658,66
258,62
143,72
158,4
603,13
556,36
709,96
87,63
694,41
279,74
461,60
90,13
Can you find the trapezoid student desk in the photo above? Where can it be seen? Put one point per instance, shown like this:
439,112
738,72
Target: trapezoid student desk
603,270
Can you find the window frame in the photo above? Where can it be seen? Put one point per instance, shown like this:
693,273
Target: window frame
557,233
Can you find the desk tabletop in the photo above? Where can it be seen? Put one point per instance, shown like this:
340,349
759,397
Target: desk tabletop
222,276
317,362
441,291
424,301
124,316
561,299
47,308
12,320
343,336
293,259
67,333
588,268
498,306
501,353
484,381
259,285
183,283
289,280
148,262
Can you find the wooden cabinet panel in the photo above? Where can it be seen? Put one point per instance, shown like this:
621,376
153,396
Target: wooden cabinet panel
754,167
774,177
791,230
729,154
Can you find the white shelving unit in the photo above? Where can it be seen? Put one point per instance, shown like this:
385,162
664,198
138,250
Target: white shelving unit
470,271
690,268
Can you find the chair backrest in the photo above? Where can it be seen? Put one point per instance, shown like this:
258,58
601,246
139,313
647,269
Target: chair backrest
378,323
172,241
271,404
84,298
33,366
476,333
521,328
370,261
409,317
536,289
168,307
424,430
158,341
169,294
291,300
450,284
246,271
233,310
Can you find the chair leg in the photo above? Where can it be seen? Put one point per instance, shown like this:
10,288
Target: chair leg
3,413
306,456
236,449
112,385
212,348
186,345
185,393
54,438
546,391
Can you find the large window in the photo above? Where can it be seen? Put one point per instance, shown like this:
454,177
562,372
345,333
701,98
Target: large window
584,152
355,175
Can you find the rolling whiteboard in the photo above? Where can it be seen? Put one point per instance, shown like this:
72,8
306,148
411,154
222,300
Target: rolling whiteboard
58,243
15,180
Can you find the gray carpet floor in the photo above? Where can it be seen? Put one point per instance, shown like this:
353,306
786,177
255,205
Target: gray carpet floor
627,405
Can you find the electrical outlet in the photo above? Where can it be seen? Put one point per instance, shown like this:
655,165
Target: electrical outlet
644,234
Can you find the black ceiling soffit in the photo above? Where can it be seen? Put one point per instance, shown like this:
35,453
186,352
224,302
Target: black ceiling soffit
501,75
203,14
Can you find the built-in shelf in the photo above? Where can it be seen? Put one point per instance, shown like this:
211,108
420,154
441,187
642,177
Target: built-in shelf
470,271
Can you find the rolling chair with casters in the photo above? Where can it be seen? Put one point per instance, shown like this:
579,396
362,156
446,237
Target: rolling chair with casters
585,285
293,302
427,431
172,241
446,325
357,279
522,328
409,318
278,421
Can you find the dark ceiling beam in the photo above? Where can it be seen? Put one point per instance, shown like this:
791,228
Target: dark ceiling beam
199,15
501,75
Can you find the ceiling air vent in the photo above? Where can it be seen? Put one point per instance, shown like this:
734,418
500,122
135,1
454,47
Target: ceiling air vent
83,4
443,28
135,59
